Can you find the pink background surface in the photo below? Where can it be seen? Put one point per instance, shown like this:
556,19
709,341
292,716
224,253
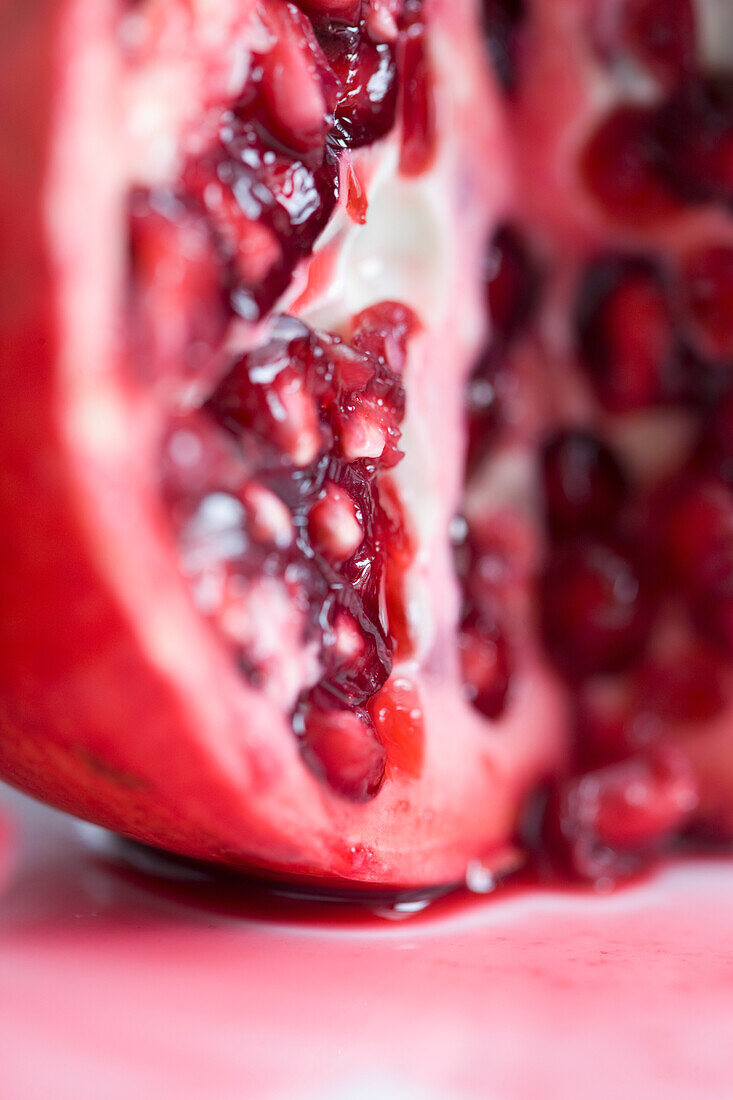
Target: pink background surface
116,983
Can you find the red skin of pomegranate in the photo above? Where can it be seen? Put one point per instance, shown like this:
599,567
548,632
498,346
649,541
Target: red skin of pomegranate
116,703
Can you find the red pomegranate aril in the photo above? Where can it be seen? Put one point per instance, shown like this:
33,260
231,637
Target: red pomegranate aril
607,823
715,446
347,11
706,279
698,533
197,458
283,413
511,284
684,687
345,640
417,106
179,283
594,608
296,89
357,656
625,335
604,714
333,524
695,139
713,614
356,202
367,73
269,519
268,205
620,165
383,18
365,428
342,747
503,20
584,484
497,554
383,331
483,410
653,798
398,718
398,537
661,34
484,665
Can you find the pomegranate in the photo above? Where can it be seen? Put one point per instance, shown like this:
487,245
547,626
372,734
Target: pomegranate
366,463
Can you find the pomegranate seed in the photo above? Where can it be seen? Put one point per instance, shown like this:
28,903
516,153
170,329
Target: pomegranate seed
659,33
333,524
616,717
604,721
357,202
695,137
625,335
398,718
197,458
497,554
367,75
607,823
685,686
367,425
698,533
357,656
483,417
342,747
511,284
707,289
269,207
713,613
179,284
382,19
214,532
383,331
654,796
346,10
360,437
296,93
663,33
346,639
715,450
269,519
584,484
620,166
417,104
484,665
594,608
284,389
397,535
502,23
287,415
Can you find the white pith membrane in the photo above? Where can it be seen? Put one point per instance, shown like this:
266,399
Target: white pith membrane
423,244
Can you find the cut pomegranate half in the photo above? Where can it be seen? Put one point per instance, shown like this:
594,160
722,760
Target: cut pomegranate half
366,463
229,605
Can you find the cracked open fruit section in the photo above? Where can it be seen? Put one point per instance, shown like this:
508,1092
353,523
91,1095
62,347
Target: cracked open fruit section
368,449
